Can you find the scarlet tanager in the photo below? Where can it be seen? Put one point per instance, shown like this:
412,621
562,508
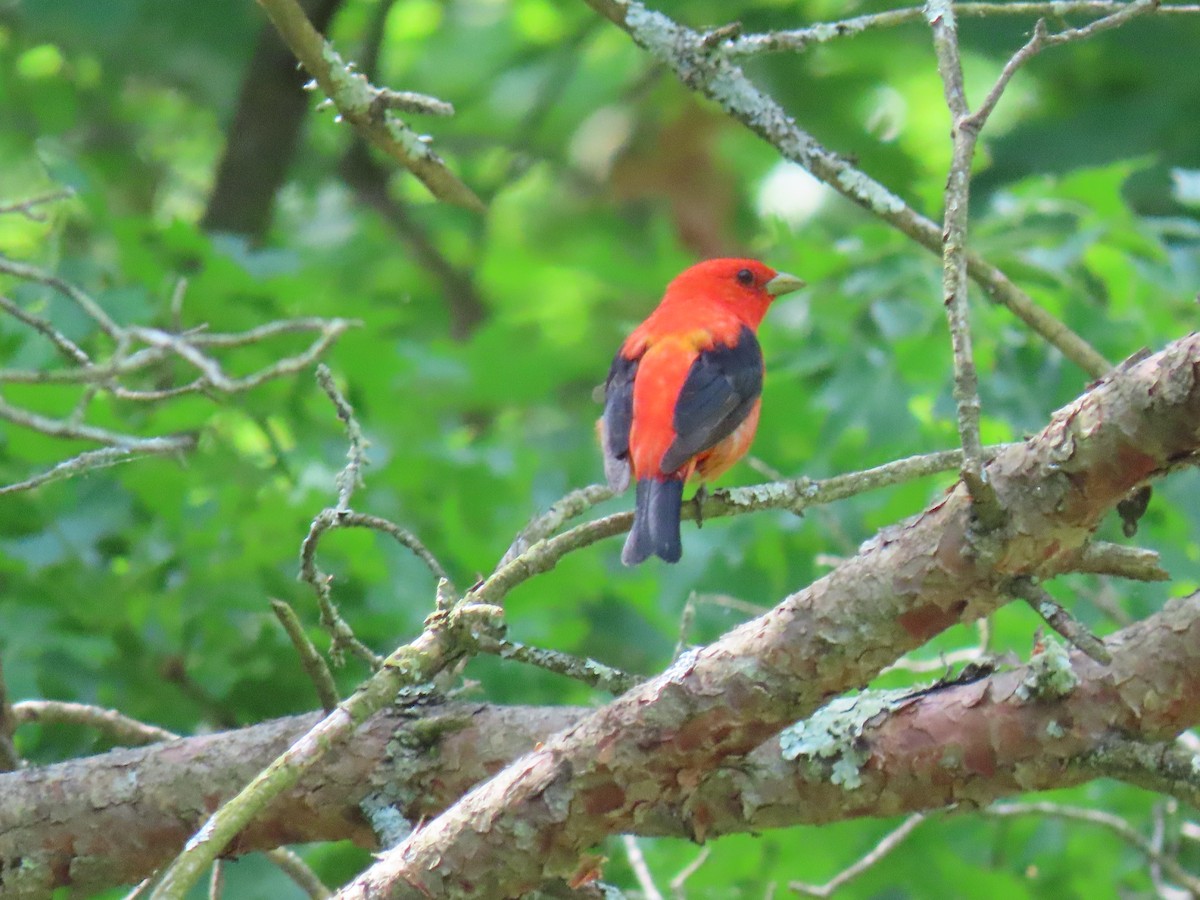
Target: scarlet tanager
682,396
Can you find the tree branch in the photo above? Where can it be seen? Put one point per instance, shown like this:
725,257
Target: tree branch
361,104
909,583
708,71
801,38
966,744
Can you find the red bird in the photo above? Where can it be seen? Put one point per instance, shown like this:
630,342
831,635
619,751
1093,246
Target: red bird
682,396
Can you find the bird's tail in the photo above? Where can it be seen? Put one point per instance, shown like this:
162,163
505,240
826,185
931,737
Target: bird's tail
655,529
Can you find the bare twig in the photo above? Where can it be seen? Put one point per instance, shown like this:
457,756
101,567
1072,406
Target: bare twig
890,842
102,458
801,38
184,347
1042,39
126,357
331,519
349,478
796,496
340,632
588,671
358,101
341,516
26,207
941,664
314,664
641,871
965,130
61,428
569,507
216,880
1059,619
89,306
300,873
710,72
116,725
989,513
411,102
1135,563
678,882
62,343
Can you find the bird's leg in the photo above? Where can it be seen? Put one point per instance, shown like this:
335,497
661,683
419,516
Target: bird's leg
698,499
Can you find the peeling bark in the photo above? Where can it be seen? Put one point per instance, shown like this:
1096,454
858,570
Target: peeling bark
614,771
113,818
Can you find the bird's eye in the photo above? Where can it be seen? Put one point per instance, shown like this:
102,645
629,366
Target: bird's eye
745,277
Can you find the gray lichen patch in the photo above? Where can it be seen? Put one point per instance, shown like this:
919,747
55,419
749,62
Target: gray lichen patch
1050,674
833,734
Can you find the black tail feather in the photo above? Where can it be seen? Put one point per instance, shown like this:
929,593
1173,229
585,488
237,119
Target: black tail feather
655,529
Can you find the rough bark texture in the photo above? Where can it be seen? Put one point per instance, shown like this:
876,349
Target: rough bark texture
614,770
112,819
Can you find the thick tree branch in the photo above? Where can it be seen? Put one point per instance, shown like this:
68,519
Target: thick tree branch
79,824
909,583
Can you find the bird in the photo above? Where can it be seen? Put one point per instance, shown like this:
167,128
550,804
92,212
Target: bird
682,397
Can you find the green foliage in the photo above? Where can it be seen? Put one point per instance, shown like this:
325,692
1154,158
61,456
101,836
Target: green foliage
146,587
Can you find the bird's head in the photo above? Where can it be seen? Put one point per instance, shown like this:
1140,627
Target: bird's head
745,286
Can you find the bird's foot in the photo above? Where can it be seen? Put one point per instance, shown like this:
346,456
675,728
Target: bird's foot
698,499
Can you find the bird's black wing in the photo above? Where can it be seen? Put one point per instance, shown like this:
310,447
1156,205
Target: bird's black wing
617,420
719,392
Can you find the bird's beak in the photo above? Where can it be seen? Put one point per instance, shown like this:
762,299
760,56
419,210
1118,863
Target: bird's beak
783,283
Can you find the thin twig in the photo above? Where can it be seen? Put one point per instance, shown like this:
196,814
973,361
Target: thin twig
312,661
103,458
212,375
796,496
341,516
941,664
89,306
1113,823
710,71
641,871
115,725
340,632
989,514
1059,619
26,207
1134,563
1042,39
349,478
574,504
678,882
216,880
298,870
588,671
820,33
686,617
357,100
886,845
62,343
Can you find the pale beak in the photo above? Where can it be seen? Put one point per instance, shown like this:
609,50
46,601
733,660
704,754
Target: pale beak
783,283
